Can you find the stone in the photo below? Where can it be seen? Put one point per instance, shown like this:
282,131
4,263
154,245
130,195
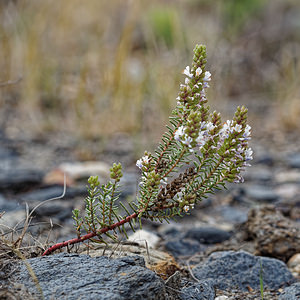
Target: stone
19,179
291,293
288,191
290,176
293,161
207,235
294,265
8,204
198,291
258,174
52,192
170,230
261,193
183,247
265,159
274,235
144,237
83,170
73,276
294,261
241,270
12,218
159,261
56,209
232,214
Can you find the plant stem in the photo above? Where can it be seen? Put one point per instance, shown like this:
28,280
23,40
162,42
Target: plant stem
89,235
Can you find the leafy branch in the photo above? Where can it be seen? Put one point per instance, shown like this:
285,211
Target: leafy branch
198,154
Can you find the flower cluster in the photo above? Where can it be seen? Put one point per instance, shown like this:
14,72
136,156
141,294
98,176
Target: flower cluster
193,89
221,148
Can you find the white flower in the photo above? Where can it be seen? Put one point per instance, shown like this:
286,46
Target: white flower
248,154
247,133
205,85
198,71
207,76
224,132
186,81
187,72
139,163
239,179
187,141
143,161
210,126
179,133
200,140
186,208
237,128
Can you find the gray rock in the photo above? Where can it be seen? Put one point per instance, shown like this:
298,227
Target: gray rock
234,215
258,174
8,204
291,293
53,209
18,180
241,270
207,235
184,247
52,192
198,291
293,161
265,159
261,193
169,230
72,276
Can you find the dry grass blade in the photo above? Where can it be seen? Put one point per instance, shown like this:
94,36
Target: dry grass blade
18,242
11,82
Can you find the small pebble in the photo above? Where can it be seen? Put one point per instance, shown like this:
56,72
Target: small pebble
145,238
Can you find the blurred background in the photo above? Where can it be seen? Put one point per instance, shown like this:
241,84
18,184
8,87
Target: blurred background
94,69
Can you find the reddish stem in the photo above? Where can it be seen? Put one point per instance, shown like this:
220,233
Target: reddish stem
89,235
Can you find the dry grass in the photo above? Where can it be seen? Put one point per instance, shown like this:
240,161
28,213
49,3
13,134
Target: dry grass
96,67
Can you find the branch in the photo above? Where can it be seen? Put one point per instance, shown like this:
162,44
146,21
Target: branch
89,235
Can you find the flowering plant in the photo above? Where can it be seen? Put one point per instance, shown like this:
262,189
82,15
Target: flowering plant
197,155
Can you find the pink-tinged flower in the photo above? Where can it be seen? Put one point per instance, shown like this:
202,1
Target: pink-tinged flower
207,76
198,71
200,140
187,72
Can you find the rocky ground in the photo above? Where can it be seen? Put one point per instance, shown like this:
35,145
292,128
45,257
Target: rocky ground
229,244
